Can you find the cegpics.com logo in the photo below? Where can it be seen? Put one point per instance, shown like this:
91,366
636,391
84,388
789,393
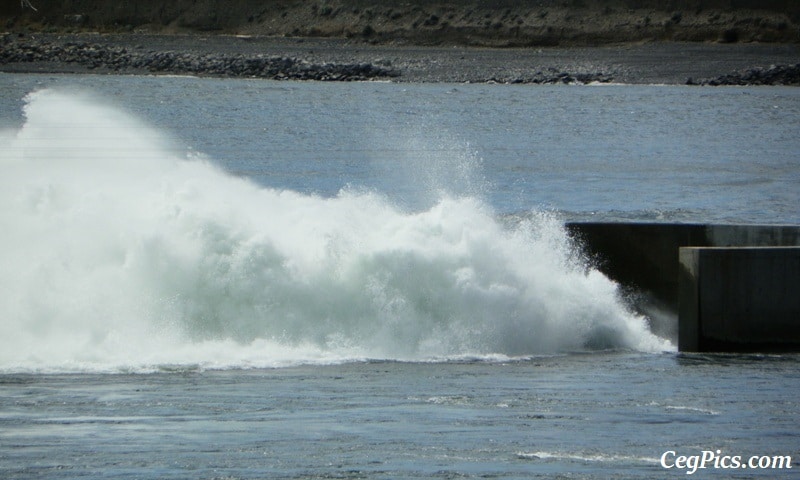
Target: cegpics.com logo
716,460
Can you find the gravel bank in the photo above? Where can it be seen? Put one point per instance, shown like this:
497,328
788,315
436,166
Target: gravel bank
341,59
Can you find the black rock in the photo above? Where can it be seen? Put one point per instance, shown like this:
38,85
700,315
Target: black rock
773,75
96,56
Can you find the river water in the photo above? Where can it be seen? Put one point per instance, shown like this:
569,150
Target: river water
206,278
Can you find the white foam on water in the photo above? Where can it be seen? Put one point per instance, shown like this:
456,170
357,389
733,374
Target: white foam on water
119,254
585,457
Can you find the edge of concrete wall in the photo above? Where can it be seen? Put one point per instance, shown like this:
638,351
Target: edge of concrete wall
644,256
688,300
739,299
644,259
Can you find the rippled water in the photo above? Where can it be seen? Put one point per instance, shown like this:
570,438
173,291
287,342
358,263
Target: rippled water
242,279
660,153
609,415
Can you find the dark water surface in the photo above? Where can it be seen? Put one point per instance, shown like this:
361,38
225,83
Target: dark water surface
606,415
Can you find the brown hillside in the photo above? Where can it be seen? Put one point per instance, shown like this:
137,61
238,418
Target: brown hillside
468,22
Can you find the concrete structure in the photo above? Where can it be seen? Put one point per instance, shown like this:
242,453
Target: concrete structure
739,299
644,258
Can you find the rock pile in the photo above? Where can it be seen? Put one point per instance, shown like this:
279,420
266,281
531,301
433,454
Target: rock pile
554,76
774,75
119,59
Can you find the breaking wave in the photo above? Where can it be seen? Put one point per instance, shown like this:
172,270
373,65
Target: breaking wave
119,254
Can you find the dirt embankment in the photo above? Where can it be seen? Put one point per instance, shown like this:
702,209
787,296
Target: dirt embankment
497,23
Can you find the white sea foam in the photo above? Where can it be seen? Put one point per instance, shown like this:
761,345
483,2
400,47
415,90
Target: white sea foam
585,457
686,408
119,254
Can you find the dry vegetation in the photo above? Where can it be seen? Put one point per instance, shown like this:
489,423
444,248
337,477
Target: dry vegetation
470,23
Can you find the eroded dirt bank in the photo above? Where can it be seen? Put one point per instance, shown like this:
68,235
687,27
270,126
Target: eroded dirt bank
419,22
503,41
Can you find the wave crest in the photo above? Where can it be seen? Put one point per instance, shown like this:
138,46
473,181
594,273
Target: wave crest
123,254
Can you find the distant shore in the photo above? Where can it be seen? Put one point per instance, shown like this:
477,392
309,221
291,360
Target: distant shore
466,23
346,60
704,42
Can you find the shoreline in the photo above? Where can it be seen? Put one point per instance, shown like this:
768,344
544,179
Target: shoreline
337,59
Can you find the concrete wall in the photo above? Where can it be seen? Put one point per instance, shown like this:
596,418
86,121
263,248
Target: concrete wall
644,256
644,259
739,299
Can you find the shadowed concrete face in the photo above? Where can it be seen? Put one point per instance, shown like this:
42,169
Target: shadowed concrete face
739,299
644,256
644,259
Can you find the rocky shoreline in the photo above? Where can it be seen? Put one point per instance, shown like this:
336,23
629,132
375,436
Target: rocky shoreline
96,57
773,75
105,58
696,42
342,60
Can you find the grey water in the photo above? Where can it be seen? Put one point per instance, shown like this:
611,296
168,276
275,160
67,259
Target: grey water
207,278
607,152
608,415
